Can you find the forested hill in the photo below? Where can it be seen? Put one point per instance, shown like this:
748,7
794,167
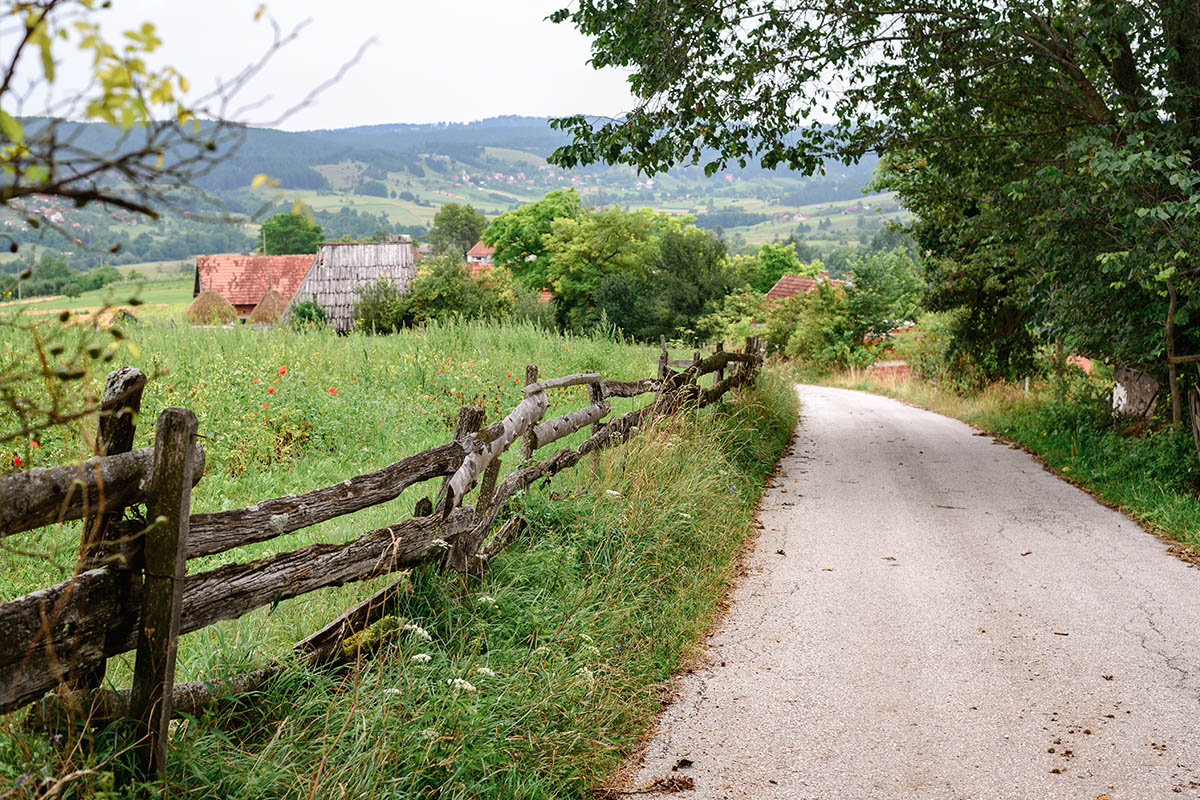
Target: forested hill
393,178
350,158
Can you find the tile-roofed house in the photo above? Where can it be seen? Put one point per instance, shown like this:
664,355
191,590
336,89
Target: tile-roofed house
792,285
245,280
341,267
480,254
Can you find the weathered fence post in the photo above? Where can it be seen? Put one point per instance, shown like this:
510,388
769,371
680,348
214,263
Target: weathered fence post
165,548
720,374
114,434
662,357
470,420
595,395
529,441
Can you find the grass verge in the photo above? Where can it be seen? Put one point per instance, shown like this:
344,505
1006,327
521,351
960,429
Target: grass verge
531,682
1151,474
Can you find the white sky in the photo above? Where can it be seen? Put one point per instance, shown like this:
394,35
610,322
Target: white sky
432,60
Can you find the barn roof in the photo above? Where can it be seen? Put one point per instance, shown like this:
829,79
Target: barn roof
244,280
341,267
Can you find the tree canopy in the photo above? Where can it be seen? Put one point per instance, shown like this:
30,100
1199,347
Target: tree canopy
456,227
284,234
1048,149
519,235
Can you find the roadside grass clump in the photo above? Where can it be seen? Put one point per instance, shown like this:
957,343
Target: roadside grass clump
531,681
1151,472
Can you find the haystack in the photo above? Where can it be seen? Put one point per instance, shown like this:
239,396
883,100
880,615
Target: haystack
270,308
209,308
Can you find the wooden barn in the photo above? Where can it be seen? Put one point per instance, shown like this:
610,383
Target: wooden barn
245,280
341,267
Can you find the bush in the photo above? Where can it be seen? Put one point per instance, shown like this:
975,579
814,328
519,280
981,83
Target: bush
308,313
380,307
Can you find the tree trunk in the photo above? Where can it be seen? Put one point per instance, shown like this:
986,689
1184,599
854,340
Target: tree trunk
1172,369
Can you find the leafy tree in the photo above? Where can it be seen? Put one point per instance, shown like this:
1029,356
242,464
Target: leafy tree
885,293
456,227
738,316
284,234
777,260
1050,149
687,278
519,236
582,252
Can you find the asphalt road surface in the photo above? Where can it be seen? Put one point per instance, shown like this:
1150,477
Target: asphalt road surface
930,614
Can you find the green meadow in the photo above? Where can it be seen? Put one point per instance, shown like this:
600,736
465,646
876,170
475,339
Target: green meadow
532,681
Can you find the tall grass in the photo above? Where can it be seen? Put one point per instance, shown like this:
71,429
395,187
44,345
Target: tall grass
565,642
1152,473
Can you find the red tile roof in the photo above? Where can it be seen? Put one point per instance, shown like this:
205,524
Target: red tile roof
243,280
790,286
480,250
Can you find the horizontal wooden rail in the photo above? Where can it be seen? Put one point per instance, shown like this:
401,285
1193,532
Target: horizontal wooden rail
487,444
267,519
555,429
629,388
36,497
559,383
40,645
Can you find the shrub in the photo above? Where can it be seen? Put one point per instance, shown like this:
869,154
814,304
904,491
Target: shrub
308,312
380,307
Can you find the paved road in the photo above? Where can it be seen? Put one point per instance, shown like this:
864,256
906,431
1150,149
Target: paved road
946,620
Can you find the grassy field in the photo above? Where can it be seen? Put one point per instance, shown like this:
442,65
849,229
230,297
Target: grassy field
154,299
566,641
1151,473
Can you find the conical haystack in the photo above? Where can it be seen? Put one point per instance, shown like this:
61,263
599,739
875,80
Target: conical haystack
270,308
209,308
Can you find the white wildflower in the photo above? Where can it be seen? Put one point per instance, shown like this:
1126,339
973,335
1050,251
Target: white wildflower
460,684
612,493
422,658
392,690
586,674
418,630
685,515
486,600
430,734
486,672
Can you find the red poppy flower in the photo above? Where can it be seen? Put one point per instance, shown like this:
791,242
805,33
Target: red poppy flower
283,370
35,443
17,461
254,381
331,390
270,389
266,404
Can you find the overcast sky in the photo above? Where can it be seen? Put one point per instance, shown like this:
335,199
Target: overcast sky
431,60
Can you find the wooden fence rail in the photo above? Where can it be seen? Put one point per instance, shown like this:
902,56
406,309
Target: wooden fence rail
143,598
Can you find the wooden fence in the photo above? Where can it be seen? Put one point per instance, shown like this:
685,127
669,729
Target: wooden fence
132,590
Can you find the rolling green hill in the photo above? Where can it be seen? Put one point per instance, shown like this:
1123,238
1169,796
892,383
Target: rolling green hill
395,177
